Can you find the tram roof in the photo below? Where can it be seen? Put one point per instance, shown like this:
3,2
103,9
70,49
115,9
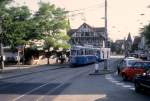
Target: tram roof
83,47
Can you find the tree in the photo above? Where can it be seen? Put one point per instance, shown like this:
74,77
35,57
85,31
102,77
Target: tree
52,22
146,33
49,43
15,26
19,25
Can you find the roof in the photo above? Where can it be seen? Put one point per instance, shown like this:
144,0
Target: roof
96,29
131,58
144,61
71,31
119,41
129,39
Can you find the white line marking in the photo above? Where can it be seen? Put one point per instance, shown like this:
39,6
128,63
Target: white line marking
111,79
53,90
30,91
19,97
121,84
126,86
132,88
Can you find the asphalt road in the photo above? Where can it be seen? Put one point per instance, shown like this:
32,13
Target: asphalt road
69,84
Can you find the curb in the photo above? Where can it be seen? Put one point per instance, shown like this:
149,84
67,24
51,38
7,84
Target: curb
102,72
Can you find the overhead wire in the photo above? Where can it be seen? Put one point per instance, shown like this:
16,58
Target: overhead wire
81,12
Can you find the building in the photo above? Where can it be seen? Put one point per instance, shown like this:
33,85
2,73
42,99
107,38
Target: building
136,43
128,43
87,35
120,46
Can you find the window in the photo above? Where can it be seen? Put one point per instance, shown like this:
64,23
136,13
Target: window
131,62
87,34
138,65
124,64
82,34
73,52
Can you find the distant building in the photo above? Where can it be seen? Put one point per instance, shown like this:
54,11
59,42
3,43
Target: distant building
119,46
136,43
142,44
128,43
87,35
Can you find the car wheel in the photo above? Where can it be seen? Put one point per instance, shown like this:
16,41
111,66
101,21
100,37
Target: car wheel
124,77
137,87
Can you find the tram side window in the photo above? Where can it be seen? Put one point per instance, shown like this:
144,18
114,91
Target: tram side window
86,52
79,52
82,52
73,52
97,53
90,52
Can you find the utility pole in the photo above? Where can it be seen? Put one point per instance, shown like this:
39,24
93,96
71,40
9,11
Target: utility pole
106,32
106,36
1,46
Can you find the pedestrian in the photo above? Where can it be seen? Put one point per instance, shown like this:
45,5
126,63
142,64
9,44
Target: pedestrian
97,65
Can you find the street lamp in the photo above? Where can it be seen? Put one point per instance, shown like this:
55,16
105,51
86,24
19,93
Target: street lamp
1,46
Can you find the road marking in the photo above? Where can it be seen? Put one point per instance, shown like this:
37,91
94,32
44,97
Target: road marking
59,86
30,91
36,88
111,79
46,83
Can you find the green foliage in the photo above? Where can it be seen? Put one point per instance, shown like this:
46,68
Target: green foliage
146,33
52,21
19,25
49,42
15,25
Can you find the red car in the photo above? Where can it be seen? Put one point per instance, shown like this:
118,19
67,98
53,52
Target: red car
139,67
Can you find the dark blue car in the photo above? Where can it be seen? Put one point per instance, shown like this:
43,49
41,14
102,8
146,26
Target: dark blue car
142,82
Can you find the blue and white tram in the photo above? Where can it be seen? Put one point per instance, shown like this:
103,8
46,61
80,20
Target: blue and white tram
81,55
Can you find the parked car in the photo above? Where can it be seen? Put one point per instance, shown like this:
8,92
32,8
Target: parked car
142,82
125,63
143,56
137,68
135,55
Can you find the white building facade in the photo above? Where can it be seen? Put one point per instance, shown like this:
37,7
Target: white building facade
87,35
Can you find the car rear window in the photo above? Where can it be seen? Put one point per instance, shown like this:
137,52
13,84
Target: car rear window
146,64
142,64
138,64
131,62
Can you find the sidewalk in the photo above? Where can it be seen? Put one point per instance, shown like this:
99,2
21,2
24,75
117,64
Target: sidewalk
110,69
21,70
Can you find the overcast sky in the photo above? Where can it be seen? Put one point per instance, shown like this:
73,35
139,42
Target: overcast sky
124,16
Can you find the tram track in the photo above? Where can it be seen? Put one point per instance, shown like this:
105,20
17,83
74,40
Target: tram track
15,81
32,72
5,83
62,80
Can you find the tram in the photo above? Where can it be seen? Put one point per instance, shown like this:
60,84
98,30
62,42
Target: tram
82,55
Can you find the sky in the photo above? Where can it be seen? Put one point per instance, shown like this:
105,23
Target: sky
124,16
